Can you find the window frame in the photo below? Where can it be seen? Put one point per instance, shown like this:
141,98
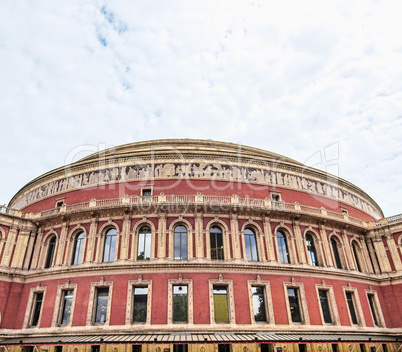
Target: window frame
269,309
230,298
341,254
132,284
137,237
90,321
257,245
74,246
59,302
180,282
358,257
286,236
356,304
209,248
50,263
105,237
305,319
317,248
331,302
377,308
182,251
29,312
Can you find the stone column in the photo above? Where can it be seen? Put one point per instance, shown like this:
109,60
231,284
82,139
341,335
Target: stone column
366,256
349,262
373,256
268,239
9,246
125,237
63,241
20,248
30,249
326,246
199,238
37,249
161,236
299,242
234,228
393,250
89,255
381,254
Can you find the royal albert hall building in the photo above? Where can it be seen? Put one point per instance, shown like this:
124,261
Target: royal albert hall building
197,246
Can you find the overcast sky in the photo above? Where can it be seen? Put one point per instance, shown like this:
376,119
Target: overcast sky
317,81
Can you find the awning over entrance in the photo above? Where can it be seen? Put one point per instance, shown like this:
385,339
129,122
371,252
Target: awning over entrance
197,338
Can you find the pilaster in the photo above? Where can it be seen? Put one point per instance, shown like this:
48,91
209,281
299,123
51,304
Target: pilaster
299,242
268,239
161,235
325,245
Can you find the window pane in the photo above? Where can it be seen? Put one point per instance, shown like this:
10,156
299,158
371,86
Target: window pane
372,307
221,304
180,303
78,247
294,305
101,305
110,246
259,303
283,248
50,252
66,308
356,257
326,312
37,308
336,253
251,245
180,242
311,250
144,243
140,304
216,241
349,297
180,348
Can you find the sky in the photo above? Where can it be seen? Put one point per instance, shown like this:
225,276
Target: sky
316,81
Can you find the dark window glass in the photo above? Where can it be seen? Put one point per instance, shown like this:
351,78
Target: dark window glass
259,303
335,347
180,304
384,347
140,304
144,243
312,253
66,307
302,347
251,245
59,349
50,252
137,348
372,308
109,249
326,311
101,305
294,305
336,253
283,248
349,298
221,304
224,347
363,347
180,242
37,308
78,247
275,197
216,240
180,348
146,192
267,347
356,257
95,348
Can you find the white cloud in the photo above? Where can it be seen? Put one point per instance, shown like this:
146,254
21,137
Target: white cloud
292,77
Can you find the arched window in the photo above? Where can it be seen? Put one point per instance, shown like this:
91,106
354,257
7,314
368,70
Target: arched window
312,253
334,244
216,241
50,252
283,248
251,245
180,242
78,247
356,254
144,243
109,248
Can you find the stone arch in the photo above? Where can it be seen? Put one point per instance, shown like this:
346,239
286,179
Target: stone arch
101,237
290,242
71,243
258,233
317,244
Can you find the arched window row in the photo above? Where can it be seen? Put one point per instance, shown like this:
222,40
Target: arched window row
283,247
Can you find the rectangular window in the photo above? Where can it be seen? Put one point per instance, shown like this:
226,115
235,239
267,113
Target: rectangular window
95,348
326,311
58,349
180,304
335,347
260,314
294,305
137,348
102,297
140,304
302,347
37,306
352,311
224,347
216,241
66,306
267,347
221,304
372,308
180,348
